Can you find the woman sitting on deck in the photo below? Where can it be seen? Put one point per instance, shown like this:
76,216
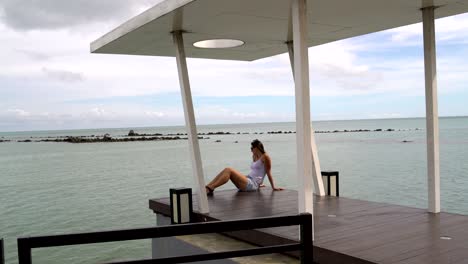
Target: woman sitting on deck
260,167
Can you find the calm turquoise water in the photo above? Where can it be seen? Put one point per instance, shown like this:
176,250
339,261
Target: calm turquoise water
53,188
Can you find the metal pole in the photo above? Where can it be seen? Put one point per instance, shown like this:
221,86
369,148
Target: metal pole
432,116
316,171
190,122
303,129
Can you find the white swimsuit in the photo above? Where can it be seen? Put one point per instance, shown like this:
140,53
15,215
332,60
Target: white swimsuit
256,175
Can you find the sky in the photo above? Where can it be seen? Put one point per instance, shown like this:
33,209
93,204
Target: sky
50,81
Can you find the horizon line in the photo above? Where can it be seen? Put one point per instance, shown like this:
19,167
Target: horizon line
210,124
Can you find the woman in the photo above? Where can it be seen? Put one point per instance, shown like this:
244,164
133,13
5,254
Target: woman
260,167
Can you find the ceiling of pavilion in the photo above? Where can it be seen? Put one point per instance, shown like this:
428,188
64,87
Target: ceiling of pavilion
264,25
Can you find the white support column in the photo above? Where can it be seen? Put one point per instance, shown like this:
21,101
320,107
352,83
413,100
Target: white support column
291,55
190,121
316,170
303,131
432,116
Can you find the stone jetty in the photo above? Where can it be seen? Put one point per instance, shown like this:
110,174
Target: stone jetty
135,136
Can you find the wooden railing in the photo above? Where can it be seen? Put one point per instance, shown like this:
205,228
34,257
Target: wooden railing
26,244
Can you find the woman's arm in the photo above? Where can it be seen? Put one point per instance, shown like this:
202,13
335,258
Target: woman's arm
267,162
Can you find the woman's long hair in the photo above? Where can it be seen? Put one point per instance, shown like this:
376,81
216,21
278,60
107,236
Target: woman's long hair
258,144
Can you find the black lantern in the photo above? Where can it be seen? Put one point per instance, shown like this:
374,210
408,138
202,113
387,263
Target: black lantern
331,182
181,205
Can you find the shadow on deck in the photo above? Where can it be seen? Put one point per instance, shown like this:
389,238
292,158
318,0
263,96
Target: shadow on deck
346,230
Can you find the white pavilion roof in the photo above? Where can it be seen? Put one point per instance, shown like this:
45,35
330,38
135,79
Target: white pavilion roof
264,25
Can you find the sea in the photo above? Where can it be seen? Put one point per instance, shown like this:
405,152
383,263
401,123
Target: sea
51,188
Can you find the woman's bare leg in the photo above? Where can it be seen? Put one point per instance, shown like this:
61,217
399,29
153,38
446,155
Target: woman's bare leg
220,179
239,179
227,174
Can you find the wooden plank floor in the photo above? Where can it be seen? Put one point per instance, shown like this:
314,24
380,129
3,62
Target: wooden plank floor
347,230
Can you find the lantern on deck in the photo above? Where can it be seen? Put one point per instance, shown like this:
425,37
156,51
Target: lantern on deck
331,182
181,205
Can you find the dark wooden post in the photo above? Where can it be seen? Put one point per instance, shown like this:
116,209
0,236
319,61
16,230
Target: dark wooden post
307,250
2,252
24,251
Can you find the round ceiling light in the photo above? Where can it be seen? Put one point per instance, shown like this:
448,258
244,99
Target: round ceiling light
218,43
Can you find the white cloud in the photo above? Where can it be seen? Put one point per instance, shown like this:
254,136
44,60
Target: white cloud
153,114
454,29
385,115
98,113
45,64
20,113
256,115
63,76
53,14
335,70
34,55
20,119
217,114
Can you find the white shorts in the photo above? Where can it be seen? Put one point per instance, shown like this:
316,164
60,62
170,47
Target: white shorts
251,185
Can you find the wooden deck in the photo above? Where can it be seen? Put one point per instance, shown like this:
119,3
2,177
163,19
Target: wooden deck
346,230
